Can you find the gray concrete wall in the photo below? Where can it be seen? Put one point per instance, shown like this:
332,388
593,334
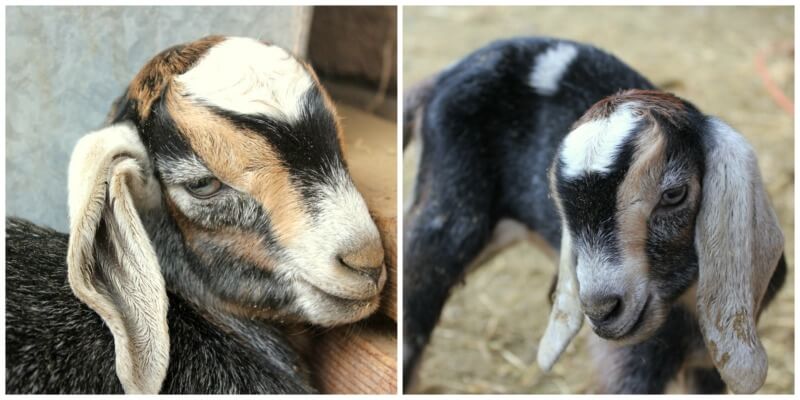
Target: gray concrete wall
65,65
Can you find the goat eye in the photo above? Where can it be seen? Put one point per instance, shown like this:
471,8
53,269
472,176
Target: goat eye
674,196
204,188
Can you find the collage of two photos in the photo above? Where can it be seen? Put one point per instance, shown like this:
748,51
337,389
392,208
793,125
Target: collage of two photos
399,200
212,205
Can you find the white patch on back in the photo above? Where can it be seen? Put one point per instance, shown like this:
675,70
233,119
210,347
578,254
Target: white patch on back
550,66
249,77
593,146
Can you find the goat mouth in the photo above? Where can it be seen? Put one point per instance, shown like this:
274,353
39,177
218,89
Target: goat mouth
323,308
338,297
634,328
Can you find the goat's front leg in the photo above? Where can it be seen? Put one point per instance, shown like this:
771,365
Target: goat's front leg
445,230
439,244
646,367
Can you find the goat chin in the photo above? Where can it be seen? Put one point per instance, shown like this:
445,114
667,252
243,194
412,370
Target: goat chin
322,308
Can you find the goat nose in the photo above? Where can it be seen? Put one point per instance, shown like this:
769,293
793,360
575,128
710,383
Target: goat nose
601,309
366,260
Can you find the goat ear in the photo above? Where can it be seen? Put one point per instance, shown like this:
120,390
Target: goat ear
739,243
112,266
566,317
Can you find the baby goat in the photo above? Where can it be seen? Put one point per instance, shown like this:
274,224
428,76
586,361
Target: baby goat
212,216
668,243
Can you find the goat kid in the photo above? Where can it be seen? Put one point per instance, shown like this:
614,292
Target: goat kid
212,215
668,242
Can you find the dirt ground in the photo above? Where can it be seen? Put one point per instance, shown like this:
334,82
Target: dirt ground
487,337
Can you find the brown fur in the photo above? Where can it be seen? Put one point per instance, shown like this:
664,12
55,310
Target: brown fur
369,256
637,195
239,158
649,103
249,247
242,159
148,85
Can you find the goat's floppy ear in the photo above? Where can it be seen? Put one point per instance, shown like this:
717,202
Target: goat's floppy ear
112,266
566,317
739,243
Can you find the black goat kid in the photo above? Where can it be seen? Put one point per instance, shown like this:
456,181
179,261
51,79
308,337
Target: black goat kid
668,243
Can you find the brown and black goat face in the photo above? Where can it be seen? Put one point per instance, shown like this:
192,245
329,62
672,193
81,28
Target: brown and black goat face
629,190
235,141
247,150
233,145
656,197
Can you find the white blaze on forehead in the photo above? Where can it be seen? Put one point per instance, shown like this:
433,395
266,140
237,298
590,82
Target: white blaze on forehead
593,146
249,77
550,66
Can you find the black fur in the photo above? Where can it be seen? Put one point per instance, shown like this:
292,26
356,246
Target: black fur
590,202
488,144
704,381
649,366
56,344
315,132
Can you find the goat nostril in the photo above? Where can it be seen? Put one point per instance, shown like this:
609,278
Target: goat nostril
603,309
373,272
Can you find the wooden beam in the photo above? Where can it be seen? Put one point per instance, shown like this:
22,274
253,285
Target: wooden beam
358,359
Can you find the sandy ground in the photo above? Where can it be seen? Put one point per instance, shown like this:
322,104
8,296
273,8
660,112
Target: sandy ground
487,337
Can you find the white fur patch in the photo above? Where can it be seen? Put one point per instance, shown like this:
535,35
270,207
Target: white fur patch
342,225
181,170
249,77
550,66
593,146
